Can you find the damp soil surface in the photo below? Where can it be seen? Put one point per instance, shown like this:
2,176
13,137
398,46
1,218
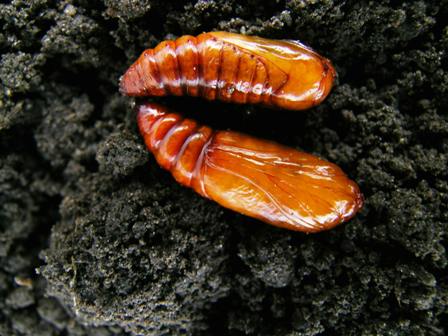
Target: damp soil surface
96,239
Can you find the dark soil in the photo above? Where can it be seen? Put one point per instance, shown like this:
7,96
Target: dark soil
121,248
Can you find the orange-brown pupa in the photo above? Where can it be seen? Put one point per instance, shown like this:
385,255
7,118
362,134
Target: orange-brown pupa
232,68
258,178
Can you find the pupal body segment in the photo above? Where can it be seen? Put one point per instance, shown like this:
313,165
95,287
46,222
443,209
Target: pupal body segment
232,68
258,178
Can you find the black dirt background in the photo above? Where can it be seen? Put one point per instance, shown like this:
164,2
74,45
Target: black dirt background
120,248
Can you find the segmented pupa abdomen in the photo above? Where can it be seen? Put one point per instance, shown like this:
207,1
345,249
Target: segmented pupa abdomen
232,68
178,144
